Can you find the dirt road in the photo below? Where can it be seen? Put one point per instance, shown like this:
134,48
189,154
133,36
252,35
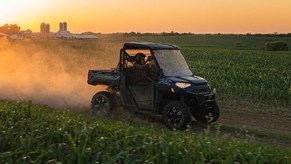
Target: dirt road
267,128
275,123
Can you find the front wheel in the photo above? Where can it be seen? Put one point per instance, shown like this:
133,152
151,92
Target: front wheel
207,115
103,103
176,115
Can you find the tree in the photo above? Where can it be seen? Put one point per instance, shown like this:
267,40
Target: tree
276,46
10,29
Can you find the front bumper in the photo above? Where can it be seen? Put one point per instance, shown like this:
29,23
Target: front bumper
201,101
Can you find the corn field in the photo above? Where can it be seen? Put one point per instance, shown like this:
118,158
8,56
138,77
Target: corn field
36,134
245,75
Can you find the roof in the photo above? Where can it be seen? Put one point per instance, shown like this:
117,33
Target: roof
15,37
148,45
64,34
85,36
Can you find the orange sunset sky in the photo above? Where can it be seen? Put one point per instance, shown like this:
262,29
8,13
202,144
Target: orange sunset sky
106,16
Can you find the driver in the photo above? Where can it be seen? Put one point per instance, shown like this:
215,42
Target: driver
140,61
140,68
147,66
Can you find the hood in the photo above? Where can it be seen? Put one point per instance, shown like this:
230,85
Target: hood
193,80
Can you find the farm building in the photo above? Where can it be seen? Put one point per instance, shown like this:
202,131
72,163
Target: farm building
64,35
68,35
2,35
85,36
16,37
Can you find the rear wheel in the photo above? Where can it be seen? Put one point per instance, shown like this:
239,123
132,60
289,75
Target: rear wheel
207,115
176,115
103,103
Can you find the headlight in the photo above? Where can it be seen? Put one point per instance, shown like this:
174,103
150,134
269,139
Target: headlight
183,85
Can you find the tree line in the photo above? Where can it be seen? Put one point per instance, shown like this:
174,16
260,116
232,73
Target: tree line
190,33
10,29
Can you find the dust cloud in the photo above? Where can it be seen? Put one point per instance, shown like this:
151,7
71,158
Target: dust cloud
52,73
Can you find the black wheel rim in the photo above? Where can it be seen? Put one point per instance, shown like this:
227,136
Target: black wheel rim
175,117
101,105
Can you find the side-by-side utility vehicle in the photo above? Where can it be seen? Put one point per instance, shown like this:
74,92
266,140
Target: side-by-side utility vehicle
155,78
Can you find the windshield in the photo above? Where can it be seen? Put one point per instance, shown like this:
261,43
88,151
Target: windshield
172,63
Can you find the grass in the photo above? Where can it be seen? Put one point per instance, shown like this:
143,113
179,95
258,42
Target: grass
239,42
32,133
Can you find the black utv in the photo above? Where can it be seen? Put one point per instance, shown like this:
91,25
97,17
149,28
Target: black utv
155,78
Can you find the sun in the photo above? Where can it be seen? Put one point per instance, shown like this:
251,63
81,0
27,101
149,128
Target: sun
11,10
5,10
15,11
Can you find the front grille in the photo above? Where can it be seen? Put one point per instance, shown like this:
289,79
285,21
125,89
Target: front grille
201,89
199,84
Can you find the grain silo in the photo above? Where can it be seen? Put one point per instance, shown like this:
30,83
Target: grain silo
42,28
47,28
65,26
